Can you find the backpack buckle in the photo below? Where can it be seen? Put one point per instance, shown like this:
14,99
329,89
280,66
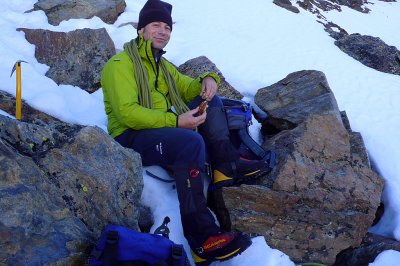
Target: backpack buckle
112,237
176,251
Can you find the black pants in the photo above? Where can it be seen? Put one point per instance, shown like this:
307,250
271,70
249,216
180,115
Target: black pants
183,151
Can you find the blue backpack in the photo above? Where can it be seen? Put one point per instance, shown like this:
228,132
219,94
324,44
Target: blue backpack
239,115
120,245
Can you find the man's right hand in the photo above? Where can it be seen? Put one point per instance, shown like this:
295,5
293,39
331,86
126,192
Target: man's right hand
188,120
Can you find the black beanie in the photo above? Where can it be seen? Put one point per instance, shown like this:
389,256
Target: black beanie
155,10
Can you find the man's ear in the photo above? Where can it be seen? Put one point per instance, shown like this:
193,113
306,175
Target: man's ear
141,31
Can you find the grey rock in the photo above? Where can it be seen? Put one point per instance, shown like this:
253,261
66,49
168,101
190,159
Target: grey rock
99,181
75,58
60,185
335,31
60,10
291,100
286,4
372,52
146,219
36,227
371,246
314,5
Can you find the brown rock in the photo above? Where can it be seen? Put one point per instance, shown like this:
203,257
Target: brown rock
321,200
75,58
197,66
322,195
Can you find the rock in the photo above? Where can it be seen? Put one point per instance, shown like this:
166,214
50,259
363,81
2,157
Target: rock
322,195
146,219
357,145
289,101
314,5
197,66
75,58
35,227
334,30
96,189
60,10
60,185
372,52
286,4
29,114
371,246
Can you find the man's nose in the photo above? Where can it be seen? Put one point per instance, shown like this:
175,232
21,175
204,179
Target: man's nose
163,31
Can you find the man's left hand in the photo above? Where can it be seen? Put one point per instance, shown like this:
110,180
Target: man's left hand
208,88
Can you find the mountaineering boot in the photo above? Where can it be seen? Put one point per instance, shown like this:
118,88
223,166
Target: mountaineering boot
222,246
242,170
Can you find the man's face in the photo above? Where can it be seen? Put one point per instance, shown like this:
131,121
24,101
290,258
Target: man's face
158,32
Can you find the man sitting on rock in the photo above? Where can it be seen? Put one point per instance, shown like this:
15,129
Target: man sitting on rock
153,109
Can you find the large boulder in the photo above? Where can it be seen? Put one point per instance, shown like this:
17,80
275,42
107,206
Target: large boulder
75,58
322,195
197,66
290,101
35,227
59,10
60,185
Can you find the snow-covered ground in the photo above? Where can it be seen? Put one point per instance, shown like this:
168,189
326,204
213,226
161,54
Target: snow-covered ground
254,44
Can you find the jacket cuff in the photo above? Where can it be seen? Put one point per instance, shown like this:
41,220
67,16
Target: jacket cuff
171,119
211,74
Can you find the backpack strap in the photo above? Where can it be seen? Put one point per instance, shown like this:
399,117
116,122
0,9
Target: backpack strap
159,178
255,148
176,254
111,249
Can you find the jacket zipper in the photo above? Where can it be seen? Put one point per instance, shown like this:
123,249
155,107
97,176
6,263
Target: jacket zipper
156,71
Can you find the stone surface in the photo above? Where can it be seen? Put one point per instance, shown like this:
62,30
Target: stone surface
75,58
60,10
197,66
289,101
35,227
322,195
372,52
314,5
371,246
286,4
60,185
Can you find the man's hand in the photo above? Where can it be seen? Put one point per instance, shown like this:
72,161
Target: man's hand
208,88
188,120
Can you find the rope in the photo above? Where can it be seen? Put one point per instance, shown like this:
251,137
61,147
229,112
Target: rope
176,99
142,81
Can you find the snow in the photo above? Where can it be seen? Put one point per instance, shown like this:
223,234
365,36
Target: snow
254,45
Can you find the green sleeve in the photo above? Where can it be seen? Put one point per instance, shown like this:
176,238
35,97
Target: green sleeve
188,87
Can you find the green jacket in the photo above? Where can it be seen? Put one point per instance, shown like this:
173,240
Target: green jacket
121,92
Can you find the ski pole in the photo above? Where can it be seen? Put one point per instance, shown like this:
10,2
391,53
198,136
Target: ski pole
18,94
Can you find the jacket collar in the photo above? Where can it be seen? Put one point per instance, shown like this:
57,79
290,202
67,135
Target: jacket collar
144,48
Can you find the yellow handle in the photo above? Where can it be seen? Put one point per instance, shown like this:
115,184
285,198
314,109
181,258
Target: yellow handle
18,95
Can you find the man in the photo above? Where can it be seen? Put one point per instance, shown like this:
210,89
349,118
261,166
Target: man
153,109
